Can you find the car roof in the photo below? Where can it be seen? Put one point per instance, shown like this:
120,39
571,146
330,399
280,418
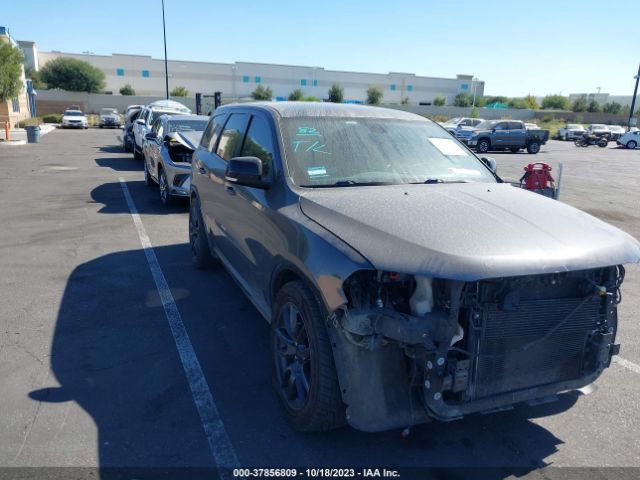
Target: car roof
325,109
78,111
176,118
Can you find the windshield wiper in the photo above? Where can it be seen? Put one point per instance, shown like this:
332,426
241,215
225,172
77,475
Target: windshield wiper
430,181
348,183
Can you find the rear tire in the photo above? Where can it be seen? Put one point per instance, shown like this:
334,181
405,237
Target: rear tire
632,145
201,255
304,375
533,147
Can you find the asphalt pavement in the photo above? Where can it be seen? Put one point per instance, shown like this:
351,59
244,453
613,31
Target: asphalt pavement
90,375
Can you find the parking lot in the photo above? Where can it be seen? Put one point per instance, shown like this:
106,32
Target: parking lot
90,375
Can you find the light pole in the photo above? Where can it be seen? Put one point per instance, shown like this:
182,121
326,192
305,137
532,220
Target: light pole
633,99
166,69
473,86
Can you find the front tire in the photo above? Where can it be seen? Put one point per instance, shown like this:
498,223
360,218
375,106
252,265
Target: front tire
165,196
533,147
200,252
632,144
304,375
483,146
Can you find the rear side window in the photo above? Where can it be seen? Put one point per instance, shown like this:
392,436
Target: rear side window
515,126
259,143
212,132
232,135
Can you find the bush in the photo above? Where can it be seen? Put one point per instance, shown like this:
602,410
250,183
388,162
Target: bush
311,98
555,102
475,113
179,92
52,118
462,100
336,93
516,103
593,106
262,93
127,90
297,95
29,122
439,118
72,75
579,104
612,107
531,102
374,96
440,101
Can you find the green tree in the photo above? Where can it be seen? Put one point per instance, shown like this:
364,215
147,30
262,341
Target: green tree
297,95
579,104
374,96
516,103
34,76
336,93
531,102
612,107
462,100
127,90
262,93
72,75
440,101
179,91
593,106
475,113
555,102
10,71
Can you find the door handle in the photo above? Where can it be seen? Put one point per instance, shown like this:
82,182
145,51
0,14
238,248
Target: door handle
230,190
202,170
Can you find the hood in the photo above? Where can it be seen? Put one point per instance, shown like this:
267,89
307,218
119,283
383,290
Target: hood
468,231
188,139
110,116
73,117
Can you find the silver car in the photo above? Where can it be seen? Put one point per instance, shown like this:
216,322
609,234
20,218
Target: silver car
167,151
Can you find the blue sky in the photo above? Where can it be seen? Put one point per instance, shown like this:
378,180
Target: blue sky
517,47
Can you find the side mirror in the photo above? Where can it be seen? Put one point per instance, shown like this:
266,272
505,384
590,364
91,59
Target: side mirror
491,163
150,136
246,171
140,121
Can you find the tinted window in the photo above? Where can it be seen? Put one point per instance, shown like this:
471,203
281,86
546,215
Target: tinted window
232,135
502,126
259,143
515,126
187,125
212,132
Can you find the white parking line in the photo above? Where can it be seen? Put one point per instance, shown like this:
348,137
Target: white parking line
627,364
223,453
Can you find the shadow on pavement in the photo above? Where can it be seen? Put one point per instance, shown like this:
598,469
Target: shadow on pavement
120,164
114,355
147,199
112,149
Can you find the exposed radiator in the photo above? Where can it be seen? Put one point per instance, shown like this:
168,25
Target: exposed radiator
503,366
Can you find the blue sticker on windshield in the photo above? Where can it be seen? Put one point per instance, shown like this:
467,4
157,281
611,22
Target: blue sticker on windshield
317,172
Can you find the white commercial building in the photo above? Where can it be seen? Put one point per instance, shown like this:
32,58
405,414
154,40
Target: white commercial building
147,77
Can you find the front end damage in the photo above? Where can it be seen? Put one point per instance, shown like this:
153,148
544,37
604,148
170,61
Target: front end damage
409,349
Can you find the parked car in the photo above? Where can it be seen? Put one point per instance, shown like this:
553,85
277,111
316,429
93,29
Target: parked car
462,127
147,115
616,132
631,140
74,119
128,140
167,154
133,107
571,131
403,281
598,129
109,117
507,135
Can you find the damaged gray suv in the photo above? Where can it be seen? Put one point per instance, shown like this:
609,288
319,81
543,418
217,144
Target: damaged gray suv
403,281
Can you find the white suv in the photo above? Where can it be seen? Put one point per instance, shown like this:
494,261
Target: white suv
149,113
631,140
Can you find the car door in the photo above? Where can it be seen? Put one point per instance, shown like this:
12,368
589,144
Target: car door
216,195
155,145
248,210
500,134
517,134
137,128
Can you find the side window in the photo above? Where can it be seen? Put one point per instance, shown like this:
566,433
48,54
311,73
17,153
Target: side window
160,129
212,132
466,123
259,143
476,122
502,126
232,135
515,126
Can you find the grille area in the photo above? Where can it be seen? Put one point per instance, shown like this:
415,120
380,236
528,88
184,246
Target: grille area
504,366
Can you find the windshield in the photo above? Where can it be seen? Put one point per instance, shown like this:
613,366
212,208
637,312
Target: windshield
187,125
453,121
342,151
597,125
486,125
108,111
73,113
575,126
155,114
